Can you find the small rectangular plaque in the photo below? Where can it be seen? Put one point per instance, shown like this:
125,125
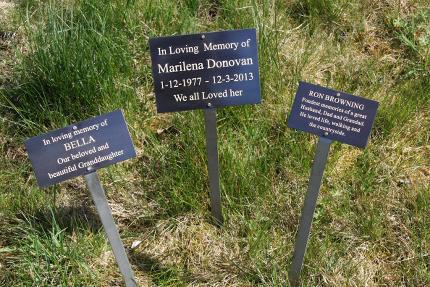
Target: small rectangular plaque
332,114
196,71
80,148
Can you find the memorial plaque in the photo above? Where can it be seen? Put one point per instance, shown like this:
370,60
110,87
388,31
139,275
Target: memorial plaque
332,114
198,71
80,148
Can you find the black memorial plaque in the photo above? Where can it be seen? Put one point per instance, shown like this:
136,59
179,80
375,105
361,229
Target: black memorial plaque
197,71
80,148
332,114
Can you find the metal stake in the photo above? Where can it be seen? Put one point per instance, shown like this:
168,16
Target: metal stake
317,172
213,164
99,198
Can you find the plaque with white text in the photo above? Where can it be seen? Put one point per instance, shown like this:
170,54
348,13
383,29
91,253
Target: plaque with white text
332,114
197,71
80,148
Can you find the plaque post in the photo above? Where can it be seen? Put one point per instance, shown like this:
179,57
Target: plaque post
99,198
331,115
315,179
201,85
213,164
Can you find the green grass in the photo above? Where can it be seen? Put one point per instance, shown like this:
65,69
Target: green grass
66,61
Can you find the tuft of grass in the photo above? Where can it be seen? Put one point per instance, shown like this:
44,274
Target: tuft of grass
75,58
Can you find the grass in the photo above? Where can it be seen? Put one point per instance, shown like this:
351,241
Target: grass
66,61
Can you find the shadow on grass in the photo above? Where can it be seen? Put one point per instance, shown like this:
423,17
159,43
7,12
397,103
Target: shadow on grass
153,268
68,218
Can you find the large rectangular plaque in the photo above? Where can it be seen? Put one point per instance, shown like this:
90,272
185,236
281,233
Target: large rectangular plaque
332,114
80,148
214,69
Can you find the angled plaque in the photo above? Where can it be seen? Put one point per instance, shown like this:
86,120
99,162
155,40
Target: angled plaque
332,114
80,148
